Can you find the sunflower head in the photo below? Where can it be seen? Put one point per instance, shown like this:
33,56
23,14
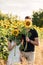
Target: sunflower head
15,26
28,23
15,32
6,26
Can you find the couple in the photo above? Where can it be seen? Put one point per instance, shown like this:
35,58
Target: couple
28,54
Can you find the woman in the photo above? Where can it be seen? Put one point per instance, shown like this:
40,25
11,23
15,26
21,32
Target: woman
14,53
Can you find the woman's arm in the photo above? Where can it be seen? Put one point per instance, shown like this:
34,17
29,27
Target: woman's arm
10,47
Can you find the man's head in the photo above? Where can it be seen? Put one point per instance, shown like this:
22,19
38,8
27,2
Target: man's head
27,18
28,22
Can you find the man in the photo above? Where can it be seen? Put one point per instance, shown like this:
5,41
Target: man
32,41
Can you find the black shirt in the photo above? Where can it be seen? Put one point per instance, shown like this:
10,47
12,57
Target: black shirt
30,47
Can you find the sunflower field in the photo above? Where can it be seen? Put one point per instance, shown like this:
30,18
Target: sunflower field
11,28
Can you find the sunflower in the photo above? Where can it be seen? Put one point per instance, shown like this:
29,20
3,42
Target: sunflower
6,26
19,23
28,23
15,26
15,32
6,22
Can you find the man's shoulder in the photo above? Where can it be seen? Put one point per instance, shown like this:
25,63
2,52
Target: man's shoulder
34,32
33,29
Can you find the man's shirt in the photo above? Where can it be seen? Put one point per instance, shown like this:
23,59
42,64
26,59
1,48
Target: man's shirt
30,47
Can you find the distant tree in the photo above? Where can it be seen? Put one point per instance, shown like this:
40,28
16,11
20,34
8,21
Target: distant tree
37,18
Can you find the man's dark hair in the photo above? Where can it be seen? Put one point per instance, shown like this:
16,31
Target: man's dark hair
27,17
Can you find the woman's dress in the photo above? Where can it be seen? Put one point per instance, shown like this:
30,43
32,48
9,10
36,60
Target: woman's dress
14,55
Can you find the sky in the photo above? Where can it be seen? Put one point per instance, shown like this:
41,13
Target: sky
21,8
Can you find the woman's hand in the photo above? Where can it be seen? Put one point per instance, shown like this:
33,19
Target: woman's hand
22,41
14,43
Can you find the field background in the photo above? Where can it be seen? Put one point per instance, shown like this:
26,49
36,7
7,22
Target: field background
7,25
39,54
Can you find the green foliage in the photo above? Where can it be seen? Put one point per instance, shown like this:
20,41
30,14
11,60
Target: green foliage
16,39
37,18
4,48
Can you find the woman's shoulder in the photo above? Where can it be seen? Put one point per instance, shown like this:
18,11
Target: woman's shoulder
12,43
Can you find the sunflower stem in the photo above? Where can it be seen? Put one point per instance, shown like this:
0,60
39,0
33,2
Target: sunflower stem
15,48
26,42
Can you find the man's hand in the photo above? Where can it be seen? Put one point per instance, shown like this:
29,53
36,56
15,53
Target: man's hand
27,39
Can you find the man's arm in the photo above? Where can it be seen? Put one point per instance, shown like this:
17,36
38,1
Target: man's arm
35,42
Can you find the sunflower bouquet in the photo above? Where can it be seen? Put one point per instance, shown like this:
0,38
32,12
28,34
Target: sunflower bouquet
18,28
16,31
21,27
15,36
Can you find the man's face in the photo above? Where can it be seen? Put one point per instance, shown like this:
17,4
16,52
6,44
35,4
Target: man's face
27,19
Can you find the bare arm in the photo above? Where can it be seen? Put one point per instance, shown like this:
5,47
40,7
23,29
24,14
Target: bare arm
22,41
35,42
10,47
